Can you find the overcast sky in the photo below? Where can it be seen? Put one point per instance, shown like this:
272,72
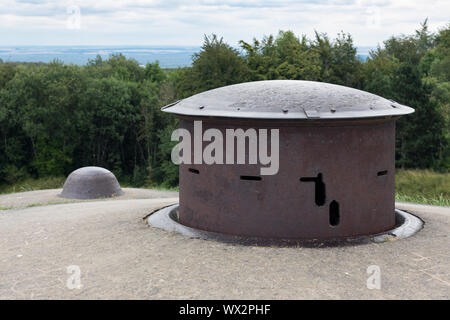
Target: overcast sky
170,22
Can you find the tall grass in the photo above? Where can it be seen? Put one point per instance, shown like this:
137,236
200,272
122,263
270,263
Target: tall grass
423,186
33,185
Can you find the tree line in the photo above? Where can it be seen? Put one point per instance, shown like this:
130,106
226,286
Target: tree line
56,117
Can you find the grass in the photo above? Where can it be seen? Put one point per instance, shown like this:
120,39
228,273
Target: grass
437,201
38,204
162,188
418,186
33,185
126,184
423,186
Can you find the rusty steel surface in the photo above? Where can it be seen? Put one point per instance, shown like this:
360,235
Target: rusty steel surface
335,180
91,183
287,99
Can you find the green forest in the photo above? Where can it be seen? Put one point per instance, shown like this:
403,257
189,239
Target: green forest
55,118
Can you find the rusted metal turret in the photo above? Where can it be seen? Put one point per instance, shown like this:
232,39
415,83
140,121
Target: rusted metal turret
336,162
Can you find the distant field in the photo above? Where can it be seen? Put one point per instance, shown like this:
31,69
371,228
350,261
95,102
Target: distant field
418,186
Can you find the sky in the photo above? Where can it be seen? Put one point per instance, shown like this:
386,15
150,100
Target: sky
184,22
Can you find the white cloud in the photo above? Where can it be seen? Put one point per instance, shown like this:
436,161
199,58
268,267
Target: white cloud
158,22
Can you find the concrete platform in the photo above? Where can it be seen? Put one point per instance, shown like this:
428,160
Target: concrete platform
51,196
121,257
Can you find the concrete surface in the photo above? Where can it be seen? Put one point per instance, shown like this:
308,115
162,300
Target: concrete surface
121,257
47,197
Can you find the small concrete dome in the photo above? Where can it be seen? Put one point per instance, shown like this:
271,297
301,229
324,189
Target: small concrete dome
91,183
